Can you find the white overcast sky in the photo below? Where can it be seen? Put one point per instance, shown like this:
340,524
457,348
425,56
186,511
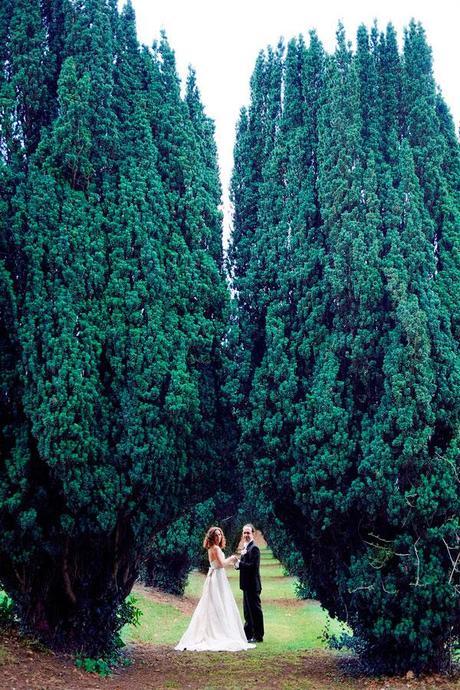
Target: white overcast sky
221,40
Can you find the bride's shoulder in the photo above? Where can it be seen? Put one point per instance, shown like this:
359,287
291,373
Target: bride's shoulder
214,551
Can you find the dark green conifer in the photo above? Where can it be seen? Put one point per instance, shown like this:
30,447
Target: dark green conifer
204,131
350,419
113,416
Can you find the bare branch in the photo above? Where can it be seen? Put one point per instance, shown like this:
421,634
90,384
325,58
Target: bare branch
376,536
454,563
417,581
454,569
363,587
407,500
451,462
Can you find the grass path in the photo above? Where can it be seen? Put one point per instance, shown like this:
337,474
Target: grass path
292,656
290,624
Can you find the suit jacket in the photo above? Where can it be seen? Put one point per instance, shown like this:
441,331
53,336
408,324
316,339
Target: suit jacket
250,569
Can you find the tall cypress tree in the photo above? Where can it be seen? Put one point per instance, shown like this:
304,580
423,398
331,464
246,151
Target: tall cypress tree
112,330
256,136
26,66
178,547
350,421
204,131
188,171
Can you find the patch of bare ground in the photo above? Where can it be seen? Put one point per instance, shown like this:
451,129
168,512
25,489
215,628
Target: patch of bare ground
291,603
27,666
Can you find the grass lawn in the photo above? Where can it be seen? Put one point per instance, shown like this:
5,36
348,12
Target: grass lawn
290,624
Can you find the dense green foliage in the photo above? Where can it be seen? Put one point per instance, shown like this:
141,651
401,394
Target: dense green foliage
177,549
345,262
7,617
113,305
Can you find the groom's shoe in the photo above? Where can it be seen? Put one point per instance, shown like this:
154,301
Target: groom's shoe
252,639
258,639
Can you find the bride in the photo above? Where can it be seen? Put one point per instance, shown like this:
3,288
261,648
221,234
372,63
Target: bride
216,622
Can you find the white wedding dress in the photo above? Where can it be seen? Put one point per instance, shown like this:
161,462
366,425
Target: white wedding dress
216,622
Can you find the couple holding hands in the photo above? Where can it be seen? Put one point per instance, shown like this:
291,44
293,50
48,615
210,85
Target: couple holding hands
216,622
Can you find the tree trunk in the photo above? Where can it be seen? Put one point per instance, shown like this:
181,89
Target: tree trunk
75,603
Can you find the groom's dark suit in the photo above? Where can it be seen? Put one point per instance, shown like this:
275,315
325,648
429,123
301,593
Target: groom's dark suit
249,568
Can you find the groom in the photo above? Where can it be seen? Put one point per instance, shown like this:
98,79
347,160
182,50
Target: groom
249,567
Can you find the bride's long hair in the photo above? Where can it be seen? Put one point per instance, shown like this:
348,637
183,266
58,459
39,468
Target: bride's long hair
209,538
